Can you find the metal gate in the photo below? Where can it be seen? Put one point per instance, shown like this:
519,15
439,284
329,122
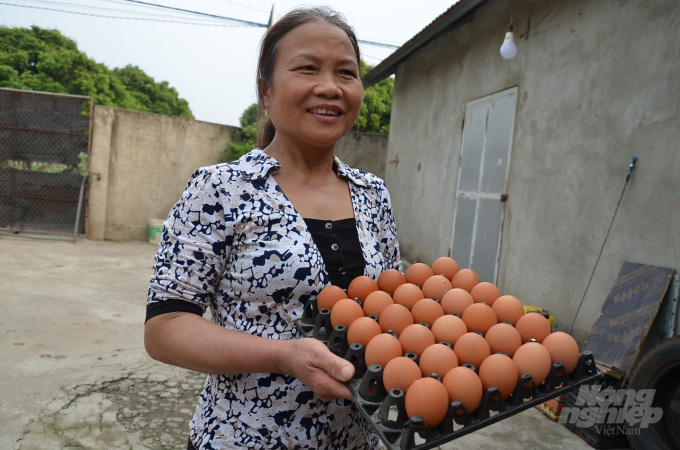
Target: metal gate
44,148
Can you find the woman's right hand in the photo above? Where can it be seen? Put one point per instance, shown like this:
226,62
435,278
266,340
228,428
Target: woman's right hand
310,361
189,341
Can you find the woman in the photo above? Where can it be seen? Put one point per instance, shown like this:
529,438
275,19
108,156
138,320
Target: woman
253,240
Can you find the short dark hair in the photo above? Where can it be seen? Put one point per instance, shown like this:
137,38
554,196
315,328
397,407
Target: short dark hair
269,48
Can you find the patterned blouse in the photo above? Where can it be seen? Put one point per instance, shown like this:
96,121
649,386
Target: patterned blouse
236,245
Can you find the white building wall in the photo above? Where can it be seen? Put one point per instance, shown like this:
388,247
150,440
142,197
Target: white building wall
598,82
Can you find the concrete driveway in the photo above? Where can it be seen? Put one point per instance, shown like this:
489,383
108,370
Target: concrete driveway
74,372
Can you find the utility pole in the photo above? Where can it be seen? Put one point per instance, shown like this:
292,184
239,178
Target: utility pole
271,18
260,112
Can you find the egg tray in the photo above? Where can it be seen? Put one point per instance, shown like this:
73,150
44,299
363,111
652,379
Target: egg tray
386,413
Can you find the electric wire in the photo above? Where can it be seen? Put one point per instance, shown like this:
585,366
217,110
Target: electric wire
247,6
247,22
172,19
597,261
153,14
93,7
120,17
377,44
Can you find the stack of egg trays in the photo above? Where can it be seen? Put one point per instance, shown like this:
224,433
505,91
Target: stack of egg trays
386,413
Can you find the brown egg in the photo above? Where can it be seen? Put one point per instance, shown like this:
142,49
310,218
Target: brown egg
562,348
456,300
471,348
400,373
361,286
426,311
345,311
382,349
407,294
329,296
463,385
415,339
465,279
417,273
485,292
501,372
395,317
508,309
534,359
533,326
428,399
437,359
362,330
445,266
448,328
503,338
390,280
479,317
375,302
436,286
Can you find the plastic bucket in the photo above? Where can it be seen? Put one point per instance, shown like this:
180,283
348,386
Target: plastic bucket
155,230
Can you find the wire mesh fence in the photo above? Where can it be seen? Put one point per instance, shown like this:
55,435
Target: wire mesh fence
44,146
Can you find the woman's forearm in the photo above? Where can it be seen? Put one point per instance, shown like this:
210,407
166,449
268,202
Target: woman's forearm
192,342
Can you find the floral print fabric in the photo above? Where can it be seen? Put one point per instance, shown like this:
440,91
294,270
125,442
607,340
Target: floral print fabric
234,244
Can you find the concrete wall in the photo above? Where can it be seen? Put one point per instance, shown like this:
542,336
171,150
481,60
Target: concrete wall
364,151
597,83
141,163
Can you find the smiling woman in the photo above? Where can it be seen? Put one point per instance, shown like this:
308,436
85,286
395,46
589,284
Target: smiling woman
255,239
321,53
315,94
313,98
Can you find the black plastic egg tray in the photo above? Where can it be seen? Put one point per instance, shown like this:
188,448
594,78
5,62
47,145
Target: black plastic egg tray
386,413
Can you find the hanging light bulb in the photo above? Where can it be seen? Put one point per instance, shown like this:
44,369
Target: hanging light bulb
509,49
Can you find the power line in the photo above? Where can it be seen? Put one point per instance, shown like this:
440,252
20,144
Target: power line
214,16
92,7
116,17
145,11
378,44
181,10
247,6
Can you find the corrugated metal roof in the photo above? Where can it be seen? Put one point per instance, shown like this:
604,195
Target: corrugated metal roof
452,17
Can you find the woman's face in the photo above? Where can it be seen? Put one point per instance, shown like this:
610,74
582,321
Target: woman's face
315,93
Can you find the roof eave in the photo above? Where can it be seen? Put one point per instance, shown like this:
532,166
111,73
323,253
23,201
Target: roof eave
453,17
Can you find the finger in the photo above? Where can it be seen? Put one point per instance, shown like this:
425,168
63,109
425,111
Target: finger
345,393
335,366
340,369
334,391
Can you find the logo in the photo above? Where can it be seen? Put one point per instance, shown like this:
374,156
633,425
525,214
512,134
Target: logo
612,411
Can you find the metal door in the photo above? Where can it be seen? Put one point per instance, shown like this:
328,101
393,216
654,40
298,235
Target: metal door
44,144
483,172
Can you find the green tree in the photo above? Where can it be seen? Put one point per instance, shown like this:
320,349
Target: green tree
376,108
154,97
38,59
249,121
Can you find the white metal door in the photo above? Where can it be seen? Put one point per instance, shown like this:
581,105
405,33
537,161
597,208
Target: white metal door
484,163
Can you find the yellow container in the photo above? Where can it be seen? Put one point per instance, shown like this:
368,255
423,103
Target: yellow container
155,230
529,308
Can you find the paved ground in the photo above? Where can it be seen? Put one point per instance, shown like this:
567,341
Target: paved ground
74,373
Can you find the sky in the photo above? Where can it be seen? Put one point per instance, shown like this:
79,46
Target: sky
210,61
